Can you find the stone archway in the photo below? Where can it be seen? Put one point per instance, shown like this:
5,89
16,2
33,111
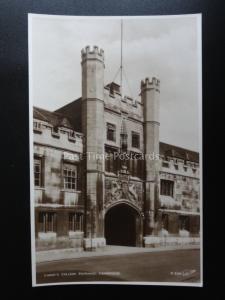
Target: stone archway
122,226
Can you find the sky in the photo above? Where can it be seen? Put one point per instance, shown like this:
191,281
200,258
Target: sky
166,48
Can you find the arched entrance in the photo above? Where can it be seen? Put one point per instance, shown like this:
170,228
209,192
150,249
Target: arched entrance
122,226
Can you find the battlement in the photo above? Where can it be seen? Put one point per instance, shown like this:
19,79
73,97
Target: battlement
46,134
128,99
153,84
179,167
92,53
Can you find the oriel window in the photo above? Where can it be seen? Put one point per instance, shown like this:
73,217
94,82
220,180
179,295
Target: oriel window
70,176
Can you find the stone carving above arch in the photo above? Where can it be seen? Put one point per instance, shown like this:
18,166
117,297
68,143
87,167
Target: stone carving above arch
116,189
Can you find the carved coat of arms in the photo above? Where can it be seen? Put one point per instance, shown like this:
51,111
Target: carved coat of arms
130,191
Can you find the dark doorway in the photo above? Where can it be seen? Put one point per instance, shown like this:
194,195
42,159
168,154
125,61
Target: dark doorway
121,225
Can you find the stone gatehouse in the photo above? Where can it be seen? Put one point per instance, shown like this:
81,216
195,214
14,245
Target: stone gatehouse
101,175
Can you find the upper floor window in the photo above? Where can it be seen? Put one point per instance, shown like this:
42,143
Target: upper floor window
111,163
135,140
70,176
38,172
37,127
166,187
111,132
136,165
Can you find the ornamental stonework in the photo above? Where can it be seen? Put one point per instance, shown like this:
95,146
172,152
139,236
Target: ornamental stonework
117,190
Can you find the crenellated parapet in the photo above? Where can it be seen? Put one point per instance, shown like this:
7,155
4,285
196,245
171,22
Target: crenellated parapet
133,108
59,137
92,53
179,167
153,84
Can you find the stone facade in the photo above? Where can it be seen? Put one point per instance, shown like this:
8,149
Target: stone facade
102,176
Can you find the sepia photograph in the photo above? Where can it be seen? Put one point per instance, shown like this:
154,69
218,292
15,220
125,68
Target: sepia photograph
115,110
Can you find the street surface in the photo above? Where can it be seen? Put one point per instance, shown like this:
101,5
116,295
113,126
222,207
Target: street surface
165,266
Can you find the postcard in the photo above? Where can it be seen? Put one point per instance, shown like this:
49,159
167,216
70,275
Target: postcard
116,149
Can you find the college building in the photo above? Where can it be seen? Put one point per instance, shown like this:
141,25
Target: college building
103,177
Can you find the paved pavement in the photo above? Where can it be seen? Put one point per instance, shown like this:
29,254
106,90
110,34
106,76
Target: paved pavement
62,254
180,266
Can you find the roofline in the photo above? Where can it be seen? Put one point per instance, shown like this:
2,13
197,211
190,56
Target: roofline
67,104
197,152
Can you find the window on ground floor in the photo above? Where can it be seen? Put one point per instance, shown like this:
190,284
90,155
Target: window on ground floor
47,222
75,221
165,221
184,223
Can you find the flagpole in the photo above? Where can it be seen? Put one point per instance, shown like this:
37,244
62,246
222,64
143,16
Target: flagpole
121,60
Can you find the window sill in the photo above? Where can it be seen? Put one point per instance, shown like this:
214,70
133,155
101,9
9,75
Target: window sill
76,233
70,191
39,188
46,235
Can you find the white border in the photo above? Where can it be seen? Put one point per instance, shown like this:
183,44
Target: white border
199,36
32,208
